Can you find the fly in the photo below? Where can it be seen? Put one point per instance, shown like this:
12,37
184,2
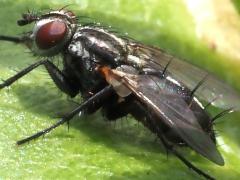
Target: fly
121,76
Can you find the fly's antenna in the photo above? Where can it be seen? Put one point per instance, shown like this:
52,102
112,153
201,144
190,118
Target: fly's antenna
221,114
27,18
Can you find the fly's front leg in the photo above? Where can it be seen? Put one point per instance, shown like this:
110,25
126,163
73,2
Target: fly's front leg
12,39
62,82
20,74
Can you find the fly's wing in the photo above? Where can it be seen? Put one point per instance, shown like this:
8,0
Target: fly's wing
212,90
170,107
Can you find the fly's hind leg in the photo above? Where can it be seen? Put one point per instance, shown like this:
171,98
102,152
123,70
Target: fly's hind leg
171,149
117,110
148,119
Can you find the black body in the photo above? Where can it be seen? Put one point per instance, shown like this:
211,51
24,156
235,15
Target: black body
122,77
80,70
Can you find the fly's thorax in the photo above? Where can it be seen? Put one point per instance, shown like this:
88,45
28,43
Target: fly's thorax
107,47
83,73
77,49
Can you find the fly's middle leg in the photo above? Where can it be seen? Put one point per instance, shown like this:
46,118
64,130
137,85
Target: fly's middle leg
117,108
99,96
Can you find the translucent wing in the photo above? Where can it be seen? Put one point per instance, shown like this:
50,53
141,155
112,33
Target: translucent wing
171,108
212,90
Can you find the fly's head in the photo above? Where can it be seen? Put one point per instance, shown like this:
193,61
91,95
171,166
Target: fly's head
51,32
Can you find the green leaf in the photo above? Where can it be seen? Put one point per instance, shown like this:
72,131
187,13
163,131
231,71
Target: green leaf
94,148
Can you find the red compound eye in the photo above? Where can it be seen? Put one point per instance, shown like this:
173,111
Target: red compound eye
50,34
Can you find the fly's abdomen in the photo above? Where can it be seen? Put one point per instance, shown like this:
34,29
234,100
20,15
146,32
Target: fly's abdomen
173,86
167,95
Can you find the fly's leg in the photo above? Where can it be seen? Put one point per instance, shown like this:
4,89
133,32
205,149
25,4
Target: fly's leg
171,149
114,109
100,96
20,74
61,81
150,122
12,39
